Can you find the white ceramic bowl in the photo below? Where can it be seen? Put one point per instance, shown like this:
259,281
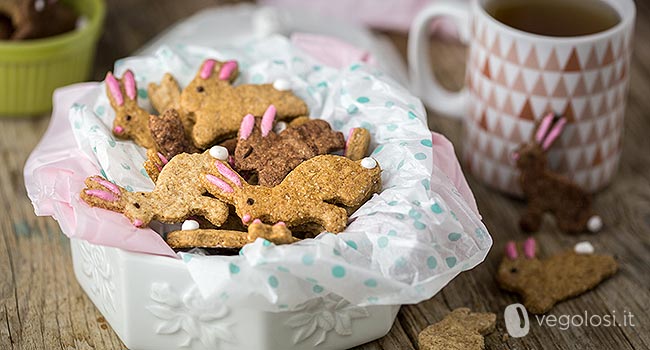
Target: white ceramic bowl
152,303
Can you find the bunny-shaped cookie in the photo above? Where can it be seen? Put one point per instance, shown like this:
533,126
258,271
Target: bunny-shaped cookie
131,121
543,283
217,107
179,193
550,192
273,155
309,194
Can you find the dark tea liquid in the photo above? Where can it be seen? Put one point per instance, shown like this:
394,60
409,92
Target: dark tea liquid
555,17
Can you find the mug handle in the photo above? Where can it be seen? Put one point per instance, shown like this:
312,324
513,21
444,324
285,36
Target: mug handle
423,83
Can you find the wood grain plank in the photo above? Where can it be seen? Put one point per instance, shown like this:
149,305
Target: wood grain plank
43,307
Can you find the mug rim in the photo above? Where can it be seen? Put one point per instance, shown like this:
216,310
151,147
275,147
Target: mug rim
626,9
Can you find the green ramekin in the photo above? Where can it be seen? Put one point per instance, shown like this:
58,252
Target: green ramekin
31,70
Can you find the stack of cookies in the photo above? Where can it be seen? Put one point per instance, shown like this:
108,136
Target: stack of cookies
235,163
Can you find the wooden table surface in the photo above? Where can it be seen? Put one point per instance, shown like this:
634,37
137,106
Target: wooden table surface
43,307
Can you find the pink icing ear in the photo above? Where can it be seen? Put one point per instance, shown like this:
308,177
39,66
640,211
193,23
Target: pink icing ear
267,120
529,248
109,185
227,69
129,84
554,133
101,194
228,173
246,128
257,221
223,186
114,88
162,158
206,69
511,250
543,127
137,222
347,142
280,223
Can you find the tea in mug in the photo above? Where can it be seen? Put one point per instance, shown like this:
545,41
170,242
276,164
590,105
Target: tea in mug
561,18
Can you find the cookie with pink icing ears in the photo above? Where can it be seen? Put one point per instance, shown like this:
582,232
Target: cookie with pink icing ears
544,282
319,191
178,193
131,121
272,155
191,236
218,107
549,192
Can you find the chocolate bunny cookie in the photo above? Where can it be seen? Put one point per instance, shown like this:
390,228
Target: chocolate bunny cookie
273,155
549,192
543,283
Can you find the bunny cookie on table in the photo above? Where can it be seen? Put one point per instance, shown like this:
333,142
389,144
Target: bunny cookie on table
178,194
548,192
308,195
543,283
273,155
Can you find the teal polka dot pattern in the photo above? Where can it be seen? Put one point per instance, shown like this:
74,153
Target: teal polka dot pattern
257,79
392,233
373,300
436,208
144,172
234,269
338,271
419,225
371,283
352,244
415,214
389,104
378,149
432,263
401,164
451,261
400,262
111,142
142,93
283,269
426,142
412,115
273,282
454,236
382,242
363,99
308,259
317,289
187,257
100,111
265,243
355,66
352,109
426,183
420,156
393,203
391,127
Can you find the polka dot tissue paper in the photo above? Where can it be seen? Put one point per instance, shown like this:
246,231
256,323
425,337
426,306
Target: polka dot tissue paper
401,247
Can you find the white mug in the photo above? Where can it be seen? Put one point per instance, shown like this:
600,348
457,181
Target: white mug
514,78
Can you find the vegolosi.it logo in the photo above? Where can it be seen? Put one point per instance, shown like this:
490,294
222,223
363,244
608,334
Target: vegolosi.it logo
518,322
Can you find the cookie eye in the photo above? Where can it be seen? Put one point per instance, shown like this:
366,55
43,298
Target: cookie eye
250,201
513,270
200,89
248,152
136,205
128,118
